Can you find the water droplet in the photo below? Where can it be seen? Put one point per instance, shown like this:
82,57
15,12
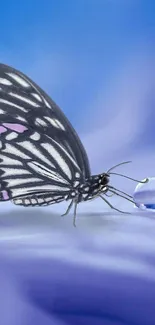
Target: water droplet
144,195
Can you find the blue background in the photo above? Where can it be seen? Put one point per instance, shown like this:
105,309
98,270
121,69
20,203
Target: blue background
95,58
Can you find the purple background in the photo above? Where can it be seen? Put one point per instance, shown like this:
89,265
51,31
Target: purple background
96,60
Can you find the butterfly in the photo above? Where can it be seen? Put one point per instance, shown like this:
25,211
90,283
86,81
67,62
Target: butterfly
42,160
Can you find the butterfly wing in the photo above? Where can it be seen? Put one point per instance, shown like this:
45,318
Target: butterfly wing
35,168
23,102
41,157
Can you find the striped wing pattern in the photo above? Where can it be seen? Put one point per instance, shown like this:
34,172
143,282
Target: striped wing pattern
41,156
24,103
31,168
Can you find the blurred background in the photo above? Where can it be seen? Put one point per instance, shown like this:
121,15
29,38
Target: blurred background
96,59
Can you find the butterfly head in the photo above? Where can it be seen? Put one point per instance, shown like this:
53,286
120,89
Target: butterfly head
104,186
103,182
100,184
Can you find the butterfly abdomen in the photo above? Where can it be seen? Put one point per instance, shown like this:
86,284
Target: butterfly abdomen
38,200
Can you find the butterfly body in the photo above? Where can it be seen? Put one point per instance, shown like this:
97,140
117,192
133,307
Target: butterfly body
92,187
89,190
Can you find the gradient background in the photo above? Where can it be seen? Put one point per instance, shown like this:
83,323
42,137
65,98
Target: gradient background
96,59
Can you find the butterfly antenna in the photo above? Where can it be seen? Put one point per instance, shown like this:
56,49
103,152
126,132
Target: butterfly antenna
123,163
133,179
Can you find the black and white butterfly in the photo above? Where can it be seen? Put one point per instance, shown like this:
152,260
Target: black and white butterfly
42,160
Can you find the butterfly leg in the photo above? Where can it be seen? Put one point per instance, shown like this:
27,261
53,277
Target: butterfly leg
74,219
111,206
68,209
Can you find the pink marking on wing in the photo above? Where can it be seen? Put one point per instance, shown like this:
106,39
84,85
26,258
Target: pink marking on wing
5,195
15,127
2,129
